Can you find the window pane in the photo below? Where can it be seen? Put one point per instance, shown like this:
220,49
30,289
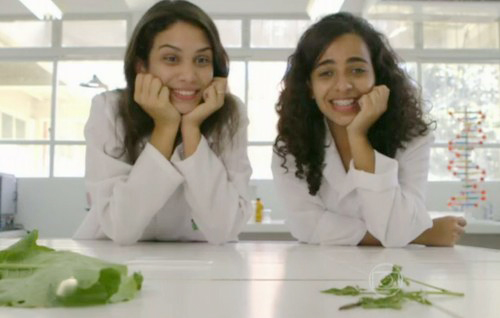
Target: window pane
260,159
263,91
69,161
390,8
230,32
276,33
456,11
7,126
94,33
399,33
411,69
459,35
25,161
236,80
438,165
451,87
25,34
74,100
25,96
487,159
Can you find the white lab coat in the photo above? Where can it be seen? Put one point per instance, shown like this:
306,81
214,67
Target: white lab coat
158,199
390,203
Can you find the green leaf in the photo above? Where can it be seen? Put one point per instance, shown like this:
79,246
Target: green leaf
393,302
418,296
38,276
346,291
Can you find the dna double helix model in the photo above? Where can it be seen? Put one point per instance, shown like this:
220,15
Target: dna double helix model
470,137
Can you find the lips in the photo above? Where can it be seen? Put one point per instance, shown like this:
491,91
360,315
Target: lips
345,105
182,94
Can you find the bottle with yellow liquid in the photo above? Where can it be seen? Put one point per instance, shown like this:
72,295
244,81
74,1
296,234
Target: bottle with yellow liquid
259,208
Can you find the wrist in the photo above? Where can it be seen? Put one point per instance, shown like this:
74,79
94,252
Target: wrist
162,128
356,133
188,124
424,237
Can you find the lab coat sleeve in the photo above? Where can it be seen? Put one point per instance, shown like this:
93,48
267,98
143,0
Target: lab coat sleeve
217,186
124,197
393,198
307,217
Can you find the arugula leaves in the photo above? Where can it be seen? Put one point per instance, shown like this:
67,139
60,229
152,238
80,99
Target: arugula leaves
389,286
37,276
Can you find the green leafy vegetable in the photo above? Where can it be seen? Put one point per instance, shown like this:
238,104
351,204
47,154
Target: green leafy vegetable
389,286
37,276
346,291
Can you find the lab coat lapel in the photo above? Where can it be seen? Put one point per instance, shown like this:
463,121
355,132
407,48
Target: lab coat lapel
333,172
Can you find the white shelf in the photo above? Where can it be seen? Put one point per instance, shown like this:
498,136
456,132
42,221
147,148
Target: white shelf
12,233
473,226
274,226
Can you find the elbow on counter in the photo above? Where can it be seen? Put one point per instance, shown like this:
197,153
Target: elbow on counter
218,238
124,238
395,241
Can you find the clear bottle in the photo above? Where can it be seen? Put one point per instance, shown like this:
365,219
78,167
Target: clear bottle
259,208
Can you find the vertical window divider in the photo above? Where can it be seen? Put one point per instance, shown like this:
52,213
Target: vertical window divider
56,44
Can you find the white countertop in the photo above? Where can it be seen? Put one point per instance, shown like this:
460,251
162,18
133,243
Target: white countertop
280,280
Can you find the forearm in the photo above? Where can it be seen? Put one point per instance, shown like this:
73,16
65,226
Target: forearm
362,152
191,136
163,139
369,240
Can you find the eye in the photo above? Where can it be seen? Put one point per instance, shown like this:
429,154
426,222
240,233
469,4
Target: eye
358,71
326,73
203,60
170,59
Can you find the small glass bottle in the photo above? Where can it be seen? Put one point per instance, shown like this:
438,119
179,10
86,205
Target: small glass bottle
259,208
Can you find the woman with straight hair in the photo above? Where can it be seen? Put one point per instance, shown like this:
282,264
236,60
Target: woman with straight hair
166,157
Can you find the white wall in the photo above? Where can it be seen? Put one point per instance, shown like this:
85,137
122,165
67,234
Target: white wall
56,206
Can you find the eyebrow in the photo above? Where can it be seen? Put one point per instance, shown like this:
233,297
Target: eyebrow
173,47
353,59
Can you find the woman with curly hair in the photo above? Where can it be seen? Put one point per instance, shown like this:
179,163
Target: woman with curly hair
166,157
352,153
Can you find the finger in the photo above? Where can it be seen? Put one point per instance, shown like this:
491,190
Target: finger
138,87
209,95
146,83
459,230
164,95
461,221
154,89
220,84
364,101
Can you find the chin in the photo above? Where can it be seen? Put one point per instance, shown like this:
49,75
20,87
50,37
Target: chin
342,121
185,109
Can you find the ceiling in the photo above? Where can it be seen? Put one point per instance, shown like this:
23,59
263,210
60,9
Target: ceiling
14,7
295,7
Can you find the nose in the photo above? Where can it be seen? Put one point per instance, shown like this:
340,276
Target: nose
187,72
343,83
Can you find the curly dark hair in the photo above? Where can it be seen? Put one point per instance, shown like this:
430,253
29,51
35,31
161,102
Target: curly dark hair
301,128
159,17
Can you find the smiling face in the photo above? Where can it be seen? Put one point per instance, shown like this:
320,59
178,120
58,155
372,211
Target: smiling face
342,74
181,57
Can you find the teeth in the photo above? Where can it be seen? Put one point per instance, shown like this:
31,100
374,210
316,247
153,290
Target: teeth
185,93
343,102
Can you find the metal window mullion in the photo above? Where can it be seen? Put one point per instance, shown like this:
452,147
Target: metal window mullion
260,143
56,44
53,120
